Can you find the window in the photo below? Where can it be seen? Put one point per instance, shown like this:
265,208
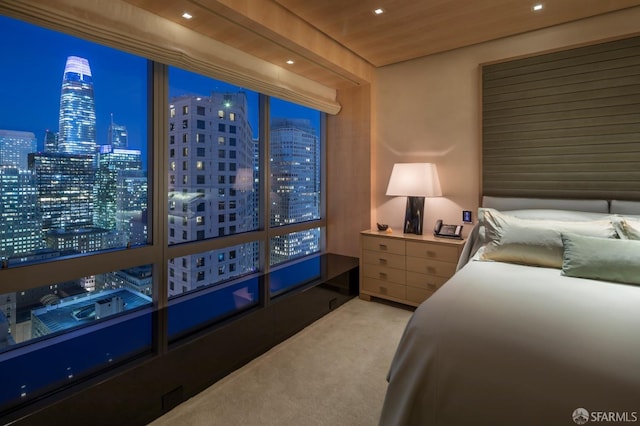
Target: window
295,163
111,206
218,96
79,188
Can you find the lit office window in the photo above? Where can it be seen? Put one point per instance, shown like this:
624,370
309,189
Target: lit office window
80,186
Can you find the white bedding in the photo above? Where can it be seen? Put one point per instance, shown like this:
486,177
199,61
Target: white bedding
507,344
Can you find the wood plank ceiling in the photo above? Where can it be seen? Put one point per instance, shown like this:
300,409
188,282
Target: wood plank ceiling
340,42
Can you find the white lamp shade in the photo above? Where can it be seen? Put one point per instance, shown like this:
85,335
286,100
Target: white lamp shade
414,180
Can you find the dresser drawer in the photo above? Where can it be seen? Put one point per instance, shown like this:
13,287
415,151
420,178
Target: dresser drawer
383,288
381,244
383,259
432,251
431,267
384,273
417,295
425,281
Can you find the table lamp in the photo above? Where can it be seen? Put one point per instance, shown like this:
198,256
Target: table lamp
414,181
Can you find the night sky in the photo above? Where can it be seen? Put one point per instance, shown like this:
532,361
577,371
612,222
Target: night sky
31,76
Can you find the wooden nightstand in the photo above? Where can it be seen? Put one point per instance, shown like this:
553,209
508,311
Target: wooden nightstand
405,268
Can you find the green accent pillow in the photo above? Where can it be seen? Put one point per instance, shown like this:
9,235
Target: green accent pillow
601,258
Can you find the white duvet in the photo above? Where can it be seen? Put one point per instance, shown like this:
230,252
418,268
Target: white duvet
505,344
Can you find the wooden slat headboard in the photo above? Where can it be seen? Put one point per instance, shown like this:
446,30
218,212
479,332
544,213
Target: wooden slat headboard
564,124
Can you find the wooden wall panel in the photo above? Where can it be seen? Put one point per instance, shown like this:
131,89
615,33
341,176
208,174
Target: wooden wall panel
564,124
349,171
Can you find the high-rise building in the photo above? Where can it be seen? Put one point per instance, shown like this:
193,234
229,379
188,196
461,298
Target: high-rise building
110,176
131,206
295,185
50,141
77,109
15,146
118,136
211,185
20,223
64,185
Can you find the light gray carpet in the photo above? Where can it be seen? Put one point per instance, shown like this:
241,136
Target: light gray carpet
331,373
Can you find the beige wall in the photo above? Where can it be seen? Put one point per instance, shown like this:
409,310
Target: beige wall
428,110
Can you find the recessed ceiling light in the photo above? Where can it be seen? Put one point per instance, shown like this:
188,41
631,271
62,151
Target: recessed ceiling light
290,62
537,7
187,15
378,11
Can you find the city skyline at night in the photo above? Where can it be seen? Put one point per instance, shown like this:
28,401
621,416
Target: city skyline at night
120,92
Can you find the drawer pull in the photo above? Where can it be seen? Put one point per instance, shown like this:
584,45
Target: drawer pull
382,246
383,290
431,270
383,275
432,286
382,261
431,254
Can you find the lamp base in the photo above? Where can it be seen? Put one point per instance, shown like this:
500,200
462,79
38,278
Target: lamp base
413,215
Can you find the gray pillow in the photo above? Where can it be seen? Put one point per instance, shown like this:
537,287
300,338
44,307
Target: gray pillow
601,258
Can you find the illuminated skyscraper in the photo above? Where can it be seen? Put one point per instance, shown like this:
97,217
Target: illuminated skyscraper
19,221
117,137
15,146
295,186
113,164
211,185
64,185
77,109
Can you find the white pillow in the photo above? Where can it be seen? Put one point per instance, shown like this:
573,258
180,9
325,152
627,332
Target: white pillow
628,227
531,241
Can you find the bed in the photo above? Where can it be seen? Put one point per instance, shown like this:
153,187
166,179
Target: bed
522,339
